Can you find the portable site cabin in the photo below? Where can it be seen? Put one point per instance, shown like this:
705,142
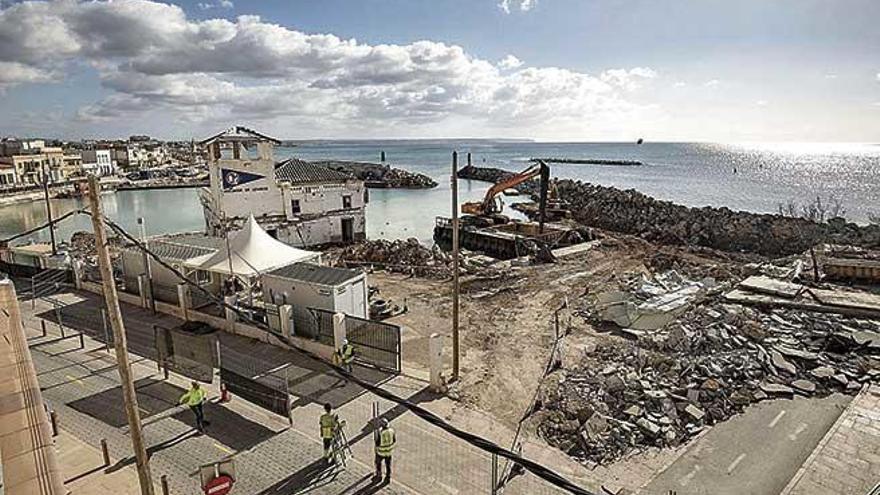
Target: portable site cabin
306,285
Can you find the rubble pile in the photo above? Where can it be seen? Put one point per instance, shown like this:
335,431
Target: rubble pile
82,247
401,256
632,212
378,175
704,367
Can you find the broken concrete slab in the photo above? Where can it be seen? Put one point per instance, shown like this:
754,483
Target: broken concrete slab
694,412
822,372
771,286
779,362
776,388
805,386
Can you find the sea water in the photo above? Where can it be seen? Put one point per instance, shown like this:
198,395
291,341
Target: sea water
751,177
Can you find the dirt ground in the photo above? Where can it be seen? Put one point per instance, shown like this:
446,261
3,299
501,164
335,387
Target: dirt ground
507,321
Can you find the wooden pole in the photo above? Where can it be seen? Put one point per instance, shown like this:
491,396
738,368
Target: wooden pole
455,283
129,396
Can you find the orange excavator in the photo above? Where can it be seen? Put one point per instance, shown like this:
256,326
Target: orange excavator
490,208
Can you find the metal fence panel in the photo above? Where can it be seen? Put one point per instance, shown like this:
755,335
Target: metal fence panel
266,395
374,341
193,356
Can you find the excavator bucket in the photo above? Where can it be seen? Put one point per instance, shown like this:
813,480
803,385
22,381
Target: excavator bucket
474,208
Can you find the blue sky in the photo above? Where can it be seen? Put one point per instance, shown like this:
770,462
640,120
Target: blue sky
587,70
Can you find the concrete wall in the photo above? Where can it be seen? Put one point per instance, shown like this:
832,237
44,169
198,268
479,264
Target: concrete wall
349,298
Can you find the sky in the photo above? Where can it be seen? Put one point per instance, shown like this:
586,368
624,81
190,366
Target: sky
551,70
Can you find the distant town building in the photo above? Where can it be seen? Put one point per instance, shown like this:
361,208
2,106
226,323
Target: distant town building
98,162
29,167
72,165
10,147
299,203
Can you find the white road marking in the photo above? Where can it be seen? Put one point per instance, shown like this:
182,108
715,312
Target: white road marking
776,419
735,463
688,477
801,427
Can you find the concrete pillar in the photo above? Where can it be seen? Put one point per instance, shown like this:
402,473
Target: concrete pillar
184,299
77,273
285,312
144,290
435,358
338,330
231,316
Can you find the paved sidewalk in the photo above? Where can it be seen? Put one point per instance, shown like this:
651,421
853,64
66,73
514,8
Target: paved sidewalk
847,460
82,386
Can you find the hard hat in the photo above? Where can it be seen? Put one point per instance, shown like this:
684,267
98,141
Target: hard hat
344,341
384,423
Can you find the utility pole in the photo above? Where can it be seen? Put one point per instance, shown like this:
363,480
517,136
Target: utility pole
49,209
455,285
129,396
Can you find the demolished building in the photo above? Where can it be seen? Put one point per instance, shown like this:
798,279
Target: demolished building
296,202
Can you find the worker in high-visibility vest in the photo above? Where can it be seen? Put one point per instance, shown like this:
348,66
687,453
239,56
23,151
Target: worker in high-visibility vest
195,398
329,422
385,442
345,355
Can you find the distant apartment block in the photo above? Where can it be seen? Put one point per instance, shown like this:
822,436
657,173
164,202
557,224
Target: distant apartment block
299,203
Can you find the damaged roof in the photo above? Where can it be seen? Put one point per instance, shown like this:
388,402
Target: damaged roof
296,171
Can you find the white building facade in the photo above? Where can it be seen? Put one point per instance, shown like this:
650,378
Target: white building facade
299,203
99,162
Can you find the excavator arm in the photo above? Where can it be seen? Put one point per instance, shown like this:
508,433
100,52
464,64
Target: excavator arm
487,206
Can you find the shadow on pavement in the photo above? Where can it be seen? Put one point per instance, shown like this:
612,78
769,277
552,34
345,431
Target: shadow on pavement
155,397
310,477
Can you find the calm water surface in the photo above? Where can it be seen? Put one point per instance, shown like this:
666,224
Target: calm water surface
743,177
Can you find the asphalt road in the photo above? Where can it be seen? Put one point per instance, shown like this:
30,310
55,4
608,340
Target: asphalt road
755,453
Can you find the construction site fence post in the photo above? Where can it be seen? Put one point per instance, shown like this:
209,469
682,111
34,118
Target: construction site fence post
105,452
494,474
43,327
33,294
82,342
58,317
164,482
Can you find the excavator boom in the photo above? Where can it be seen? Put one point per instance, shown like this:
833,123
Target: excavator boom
487,206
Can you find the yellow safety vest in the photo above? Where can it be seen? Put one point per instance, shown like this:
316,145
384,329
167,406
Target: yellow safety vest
386,442
347,353
328,424
193,397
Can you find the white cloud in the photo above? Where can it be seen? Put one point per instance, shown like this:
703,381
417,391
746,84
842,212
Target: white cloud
155,61
627,79
878,76
14,73
524,5
510,62
713,83
679,84
221,4
761,103
830,76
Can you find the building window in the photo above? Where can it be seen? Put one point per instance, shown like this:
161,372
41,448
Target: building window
295,208
346,201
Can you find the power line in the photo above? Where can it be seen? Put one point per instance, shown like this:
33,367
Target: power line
537,469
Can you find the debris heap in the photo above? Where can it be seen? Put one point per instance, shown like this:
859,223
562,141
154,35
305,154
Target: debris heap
709,364
401,256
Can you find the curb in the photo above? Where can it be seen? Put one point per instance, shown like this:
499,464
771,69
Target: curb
821,445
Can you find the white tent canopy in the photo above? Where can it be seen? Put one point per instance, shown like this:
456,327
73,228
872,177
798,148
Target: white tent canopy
253,252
